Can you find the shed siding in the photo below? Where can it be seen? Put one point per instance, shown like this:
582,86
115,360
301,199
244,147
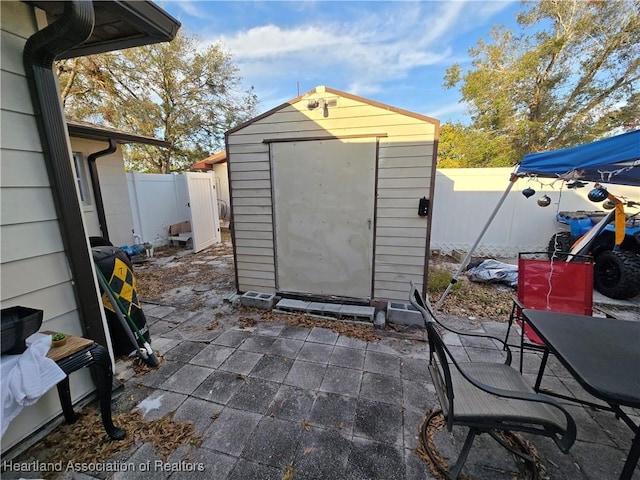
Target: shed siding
33,272
405,158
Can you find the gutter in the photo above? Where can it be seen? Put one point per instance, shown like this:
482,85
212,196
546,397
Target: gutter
95,185
72,28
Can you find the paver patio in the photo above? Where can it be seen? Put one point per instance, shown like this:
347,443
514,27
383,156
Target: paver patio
276,401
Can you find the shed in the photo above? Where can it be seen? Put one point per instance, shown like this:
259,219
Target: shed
326,191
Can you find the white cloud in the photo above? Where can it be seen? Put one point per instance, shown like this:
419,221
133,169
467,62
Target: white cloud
189,7
448,109
272,41
365,49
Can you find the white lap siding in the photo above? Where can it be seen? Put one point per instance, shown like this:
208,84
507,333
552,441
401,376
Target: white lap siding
406,157
33,265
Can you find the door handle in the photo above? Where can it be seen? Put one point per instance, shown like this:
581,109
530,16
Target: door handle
369,223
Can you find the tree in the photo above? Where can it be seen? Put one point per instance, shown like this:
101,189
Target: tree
176,91
571,77
466,147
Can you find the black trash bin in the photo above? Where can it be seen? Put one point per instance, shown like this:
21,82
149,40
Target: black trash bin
116,267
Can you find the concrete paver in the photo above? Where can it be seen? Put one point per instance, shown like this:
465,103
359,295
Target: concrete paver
212,356
219,387
231,431
187,379
315,352
347,357
200,412
379,421
285,347
322,454
382,363
241,362
292,403
344,381
305,375
231,338
272,400
271,367
322,335
274,442
256,395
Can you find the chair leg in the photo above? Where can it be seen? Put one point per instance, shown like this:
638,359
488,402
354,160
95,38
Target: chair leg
543,364
512,317
466,448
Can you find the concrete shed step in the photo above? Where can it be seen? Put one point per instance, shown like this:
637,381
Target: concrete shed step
351,312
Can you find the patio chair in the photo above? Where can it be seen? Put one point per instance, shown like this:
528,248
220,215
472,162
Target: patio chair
489,397
553,285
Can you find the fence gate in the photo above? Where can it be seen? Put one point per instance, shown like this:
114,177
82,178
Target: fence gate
203,203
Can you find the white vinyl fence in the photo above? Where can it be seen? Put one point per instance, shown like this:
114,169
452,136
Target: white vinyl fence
465,197
463,200
161,200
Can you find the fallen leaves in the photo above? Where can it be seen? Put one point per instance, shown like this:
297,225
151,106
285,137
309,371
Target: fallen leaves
479,300
352,330
289,472
246,322
142,368
85,441
154,280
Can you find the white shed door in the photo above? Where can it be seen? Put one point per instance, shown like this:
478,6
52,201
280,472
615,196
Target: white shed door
203,202
323,195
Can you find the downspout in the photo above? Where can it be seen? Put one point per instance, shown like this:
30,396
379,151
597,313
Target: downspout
73,27
95,185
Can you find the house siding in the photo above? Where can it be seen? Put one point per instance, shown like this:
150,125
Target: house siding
115,194
405,165
33,265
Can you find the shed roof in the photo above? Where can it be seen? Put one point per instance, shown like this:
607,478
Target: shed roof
323,89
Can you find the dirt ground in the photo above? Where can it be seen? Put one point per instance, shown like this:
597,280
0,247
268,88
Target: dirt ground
175,276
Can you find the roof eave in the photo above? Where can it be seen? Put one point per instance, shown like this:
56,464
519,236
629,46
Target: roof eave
150,22
96,133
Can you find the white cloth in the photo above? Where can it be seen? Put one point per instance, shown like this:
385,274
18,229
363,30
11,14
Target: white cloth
26,377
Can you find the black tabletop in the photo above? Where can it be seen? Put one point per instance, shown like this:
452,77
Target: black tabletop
603,354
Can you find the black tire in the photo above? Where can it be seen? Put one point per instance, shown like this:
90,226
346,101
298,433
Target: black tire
617,274
99,242
560,245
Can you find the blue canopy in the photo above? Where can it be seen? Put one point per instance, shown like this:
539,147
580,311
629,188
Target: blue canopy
612,160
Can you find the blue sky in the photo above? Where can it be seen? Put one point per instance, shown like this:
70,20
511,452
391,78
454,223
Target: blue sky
394,52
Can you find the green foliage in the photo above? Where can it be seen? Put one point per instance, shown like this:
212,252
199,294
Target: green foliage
571,77
438,280
58,336
177,91
467,147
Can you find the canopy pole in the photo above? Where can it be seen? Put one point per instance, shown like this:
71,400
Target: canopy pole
464,263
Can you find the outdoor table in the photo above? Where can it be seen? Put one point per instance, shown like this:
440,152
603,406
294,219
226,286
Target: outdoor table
603,355
78,353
